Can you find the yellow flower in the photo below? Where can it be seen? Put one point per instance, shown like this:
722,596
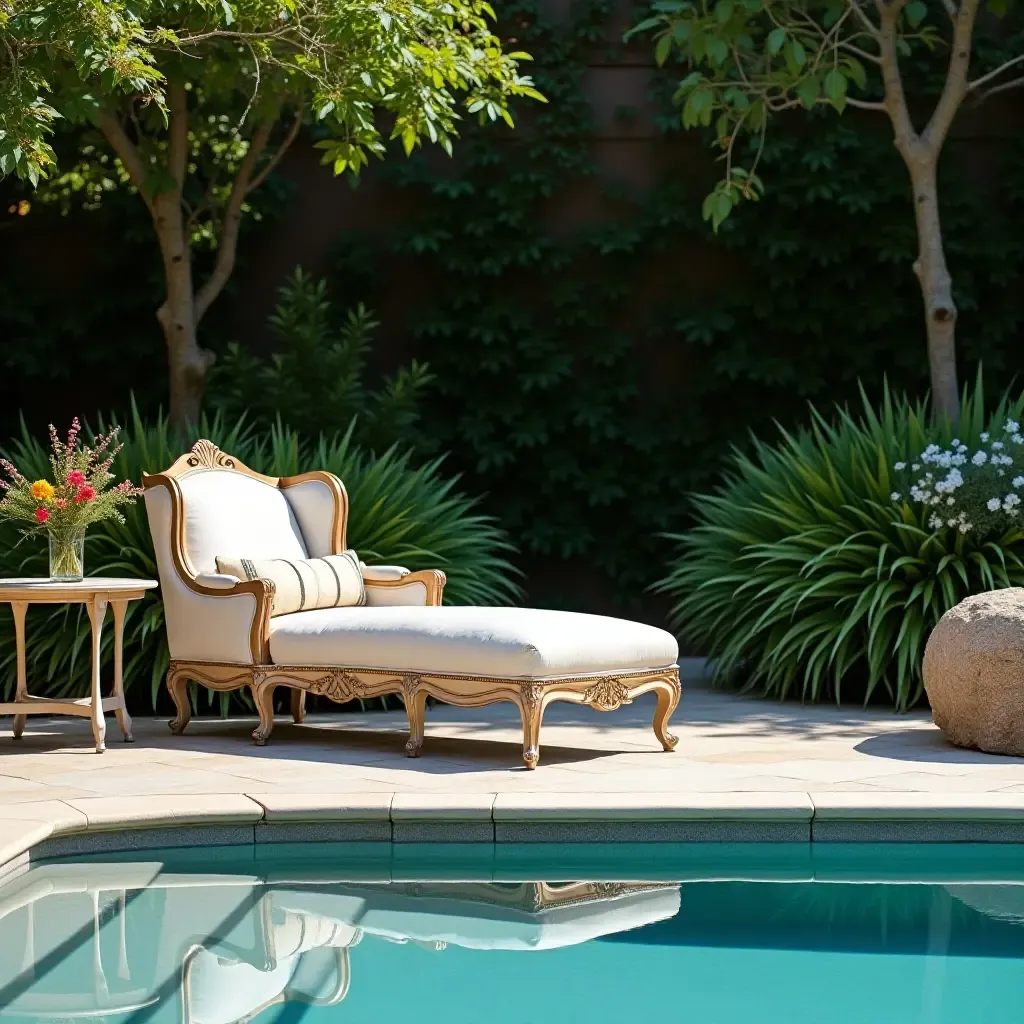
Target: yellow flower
42,490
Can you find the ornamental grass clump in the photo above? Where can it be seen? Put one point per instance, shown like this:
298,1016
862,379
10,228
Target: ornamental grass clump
825,559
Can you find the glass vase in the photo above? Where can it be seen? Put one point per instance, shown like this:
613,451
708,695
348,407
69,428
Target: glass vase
67,554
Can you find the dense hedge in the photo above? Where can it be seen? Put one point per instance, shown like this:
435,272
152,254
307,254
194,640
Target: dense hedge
589,379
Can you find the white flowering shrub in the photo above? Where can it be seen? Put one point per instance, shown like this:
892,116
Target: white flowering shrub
824,560
967,490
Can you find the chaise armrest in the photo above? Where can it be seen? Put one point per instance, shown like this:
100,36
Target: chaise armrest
411,588
217,580
382,573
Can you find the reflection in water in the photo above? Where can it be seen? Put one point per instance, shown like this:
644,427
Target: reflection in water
109,940
144,942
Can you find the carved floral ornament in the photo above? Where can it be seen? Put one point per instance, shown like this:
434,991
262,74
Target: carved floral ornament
531,694
339,685
206,455
607,695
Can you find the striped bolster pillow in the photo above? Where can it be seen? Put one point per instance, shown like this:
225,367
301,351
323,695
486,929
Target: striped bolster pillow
302,584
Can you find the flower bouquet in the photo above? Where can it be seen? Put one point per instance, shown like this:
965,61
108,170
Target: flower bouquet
80,494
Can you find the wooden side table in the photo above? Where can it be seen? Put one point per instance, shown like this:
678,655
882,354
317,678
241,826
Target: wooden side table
95,593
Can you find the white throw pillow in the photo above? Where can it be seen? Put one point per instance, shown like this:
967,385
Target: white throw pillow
303,584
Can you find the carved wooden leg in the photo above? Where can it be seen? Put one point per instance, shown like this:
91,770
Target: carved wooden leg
177,686
668,697
263,695
19,608
97,609
416,709
298,706
123,718
531,708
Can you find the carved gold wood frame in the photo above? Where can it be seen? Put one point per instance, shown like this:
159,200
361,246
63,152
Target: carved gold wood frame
530,897
603,692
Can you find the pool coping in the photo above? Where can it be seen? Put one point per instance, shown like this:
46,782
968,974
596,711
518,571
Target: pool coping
42,829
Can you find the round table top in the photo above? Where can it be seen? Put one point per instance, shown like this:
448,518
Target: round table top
28,587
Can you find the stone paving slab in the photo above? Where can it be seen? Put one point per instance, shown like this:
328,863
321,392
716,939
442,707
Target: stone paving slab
777,771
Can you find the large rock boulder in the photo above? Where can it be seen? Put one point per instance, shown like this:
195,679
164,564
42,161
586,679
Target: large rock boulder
974,672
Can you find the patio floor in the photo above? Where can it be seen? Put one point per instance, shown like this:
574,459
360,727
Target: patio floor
734,752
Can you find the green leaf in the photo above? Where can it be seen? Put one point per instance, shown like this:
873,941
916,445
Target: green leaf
916,11
855,72
834,87
718,51
775,41
717,207
229,14
796,56
724,11
809,90
662,49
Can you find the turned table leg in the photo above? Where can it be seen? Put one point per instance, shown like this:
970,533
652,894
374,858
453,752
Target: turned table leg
19,608
97,607
123,718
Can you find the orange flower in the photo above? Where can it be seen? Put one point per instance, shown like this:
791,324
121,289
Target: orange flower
42,490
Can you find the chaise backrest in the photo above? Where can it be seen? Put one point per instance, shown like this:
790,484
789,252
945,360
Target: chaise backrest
208,504
228,513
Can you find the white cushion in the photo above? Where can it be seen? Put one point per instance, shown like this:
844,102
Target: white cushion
227,511
530,643
303,584
462,922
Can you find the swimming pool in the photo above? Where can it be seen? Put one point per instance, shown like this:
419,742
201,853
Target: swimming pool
523,935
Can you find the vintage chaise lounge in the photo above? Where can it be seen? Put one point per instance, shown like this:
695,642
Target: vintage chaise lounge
215,521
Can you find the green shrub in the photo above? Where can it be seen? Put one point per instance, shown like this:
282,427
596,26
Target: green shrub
399,513
803,574
315,379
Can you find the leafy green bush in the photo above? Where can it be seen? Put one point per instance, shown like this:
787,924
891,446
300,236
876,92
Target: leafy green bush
399,513
316,379
803,574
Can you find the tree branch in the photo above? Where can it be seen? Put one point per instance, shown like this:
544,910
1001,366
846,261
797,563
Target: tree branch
177,105
866,104
113,131
870,27
228,246
281,150
985,79
955,89
872,58
1014,83
895,99
950,8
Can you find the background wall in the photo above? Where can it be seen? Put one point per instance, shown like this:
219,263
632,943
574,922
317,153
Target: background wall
596,349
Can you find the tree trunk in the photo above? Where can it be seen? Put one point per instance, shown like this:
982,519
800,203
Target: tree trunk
937,292
188,363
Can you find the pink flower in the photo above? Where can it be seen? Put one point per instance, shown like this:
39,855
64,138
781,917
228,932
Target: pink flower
76,478
61,502
84,493
42,515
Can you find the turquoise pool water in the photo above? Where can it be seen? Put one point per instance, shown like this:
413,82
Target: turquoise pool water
530,935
